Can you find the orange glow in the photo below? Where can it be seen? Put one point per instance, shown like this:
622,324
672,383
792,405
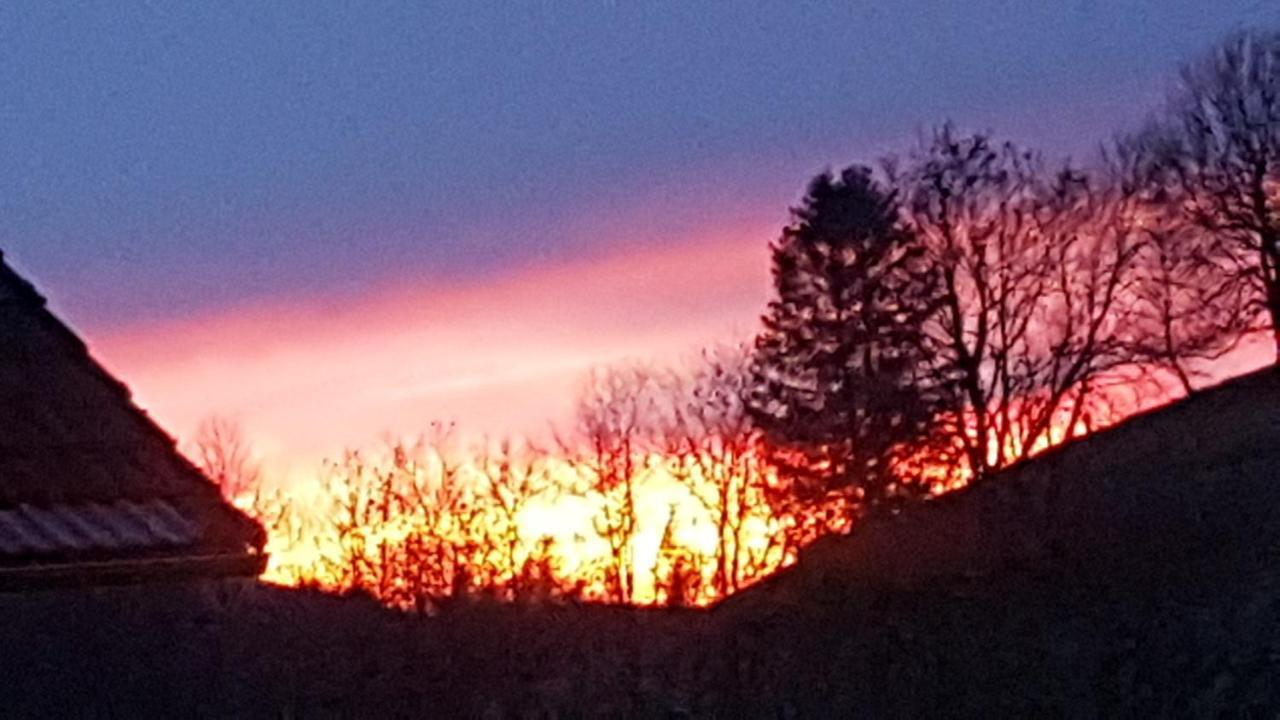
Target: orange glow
309,544
367,532
307,379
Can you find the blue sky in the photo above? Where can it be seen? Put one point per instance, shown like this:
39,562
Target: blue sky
161,160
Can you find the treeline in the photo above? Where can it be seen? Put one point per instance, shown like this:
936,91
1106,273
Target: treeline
659,493
937,317
975,302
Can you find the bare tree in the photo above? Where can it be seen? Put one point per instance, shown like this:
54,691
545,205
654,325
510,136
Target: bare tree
646,425
409,529
365,499
1218,148
616,413
1034,266
1186,312
511,477
713,448
225,456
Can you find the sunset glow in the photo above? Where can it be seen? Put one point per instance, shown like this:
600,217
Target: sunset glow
614,359
309,379
307,547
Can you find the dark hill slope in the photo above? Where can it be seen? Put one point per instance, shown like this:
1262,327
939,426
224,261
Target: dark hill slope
1191,486
1132,573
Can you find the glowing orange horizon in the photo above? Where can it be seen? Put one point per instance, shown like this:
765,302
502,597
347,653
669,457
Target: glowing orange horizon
310,379
665,505
566,520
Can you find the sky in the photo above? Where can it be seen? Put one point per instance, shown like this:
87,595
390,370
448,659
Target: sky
331,221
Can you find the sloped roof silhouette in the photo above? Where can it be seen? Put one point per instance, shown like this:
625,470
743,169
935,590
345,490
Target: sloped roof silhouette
88,482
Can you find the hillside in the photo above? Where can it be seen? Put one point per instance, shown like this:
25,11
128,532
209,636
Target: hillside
1192,482
1130,574
1133,572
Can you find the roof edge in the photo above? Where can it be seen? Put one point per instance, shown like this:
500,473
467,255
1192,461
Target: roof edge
254,533
132,572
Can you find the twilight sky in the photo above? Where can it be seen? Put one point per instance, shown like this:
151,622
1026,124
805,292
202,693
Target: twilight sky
331,219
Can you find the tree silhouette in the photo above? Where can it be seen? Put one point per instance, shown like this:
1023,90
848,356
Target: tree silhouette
1218,148
615,409
1187,311
841,364
712,447
1032,308
222,452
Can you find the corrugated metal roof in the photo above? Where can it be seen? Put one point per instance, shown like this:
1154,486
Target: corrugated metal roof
122,525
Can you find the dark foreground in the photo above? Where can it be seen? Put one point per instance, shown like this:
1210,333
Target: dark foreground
1044,649
1136,574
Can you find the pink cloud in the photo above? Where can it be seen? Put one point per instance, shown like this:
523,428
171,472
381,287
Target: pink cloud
309,377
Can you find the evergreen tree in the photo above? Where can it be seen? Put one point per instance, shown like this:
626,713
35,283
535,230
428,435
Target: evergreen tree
843,386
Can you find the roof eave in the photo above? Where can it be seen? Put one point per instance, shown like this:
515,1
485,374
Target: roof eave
132,571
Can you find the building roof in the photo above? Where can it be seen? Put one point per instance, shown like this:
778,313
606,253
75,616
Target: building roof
86,477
